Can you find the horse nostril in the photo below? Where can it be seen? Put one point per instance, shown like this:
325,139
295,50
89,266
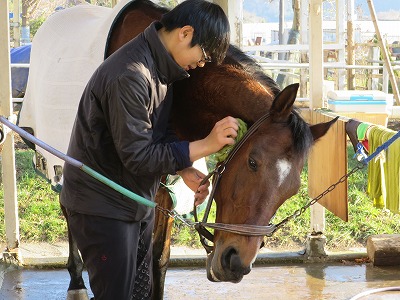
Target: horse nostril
236,263
226,257
231,260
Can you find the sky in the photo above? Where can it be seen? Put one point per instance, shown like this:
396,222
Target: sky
270,9
380,5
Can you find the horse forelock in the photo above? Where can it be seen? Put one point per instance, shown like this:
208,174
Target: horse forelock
302,137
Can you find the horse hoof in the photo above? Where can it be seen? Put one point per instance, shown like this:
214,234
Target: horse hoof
77,295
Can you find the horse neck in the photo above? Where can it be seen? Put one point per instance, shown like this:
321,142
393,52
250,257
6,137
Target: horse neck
214,92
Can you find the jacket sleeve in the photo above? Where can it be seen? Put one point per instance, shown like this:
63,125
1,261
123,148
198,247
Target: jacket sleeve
127,106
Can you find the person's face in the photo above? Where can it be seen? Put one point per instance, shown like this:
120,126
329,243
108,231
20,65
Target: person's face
189,57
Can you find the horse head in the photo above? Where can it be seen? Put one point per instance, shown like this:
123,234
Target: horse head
256,182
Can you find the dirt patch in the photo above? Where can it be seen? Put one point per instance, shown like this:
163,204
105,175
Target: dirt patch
19,143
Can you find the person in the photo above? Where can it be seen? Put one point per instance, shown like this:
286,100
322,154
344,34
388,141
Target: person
121,131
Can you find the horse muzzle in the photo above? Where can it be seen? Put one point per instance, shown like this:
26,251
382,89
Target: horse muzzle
227,267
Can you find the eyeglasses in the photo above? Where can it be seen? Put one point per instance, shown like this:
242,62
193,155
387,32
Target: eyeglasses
206,59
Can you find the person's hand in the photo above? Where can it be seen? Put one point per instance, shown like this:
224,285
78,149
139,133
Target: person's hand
192,178
223,133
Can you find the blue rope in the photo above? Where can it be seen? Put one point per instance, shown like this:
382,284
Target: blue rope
382,147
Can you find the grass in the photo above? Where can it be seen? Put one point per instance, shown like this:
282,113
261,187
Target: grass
364,219
41,219
40,216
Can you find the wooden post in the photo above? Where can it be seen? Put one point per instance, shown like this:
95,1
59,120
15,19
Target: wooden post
316,54
341,40
384,53
234,10
316,89
373,82
304,6
16,24
281,26
7,154
350,45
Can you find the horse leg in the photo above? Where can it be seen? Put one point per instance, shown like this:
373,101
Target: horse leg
77,289
161,244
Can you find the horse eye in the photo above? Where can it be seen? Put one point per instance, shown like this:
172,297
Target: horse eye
252,164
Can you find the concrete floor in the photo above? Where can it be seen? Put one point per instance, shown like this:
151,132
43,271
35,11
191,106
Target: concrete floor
314,281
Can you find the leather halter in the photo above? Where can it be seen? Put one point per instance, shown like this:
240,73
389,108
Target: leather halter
242,229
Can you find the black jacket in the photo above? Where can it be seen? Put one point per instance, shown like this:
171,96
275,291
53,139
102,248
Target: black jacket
121,131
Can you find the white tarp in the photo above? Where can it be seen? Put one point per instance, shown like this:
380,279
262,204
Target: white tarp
66,50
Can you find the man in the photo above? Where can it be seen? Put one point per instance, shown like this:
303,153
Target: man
121,131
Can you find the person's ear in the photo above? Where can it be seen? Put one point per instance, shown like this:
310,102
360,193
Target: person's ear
186,32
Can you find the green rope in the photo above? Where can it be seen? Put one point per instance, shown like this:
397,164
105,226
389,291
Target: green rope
117,187
213,159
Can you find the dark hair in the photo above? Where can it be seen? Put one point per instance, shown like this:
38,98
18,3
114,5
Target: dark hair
211,26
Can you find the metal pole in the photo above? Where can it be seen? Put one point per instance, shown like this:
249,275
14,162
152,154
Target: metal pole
8,154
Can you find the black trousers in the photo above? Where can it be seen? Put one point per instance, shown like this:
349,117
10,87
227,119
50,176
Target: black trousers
117,255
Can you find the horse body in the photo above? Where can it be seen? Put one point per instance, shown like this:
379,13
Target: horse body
260,177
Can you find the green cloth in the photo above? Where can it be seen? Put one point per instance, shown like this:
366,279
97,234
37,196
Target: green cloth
213,159
362,130
383,175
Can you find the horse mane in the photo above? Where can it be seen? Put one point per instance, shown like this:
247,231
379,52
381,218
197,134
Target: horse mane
302,136
238,58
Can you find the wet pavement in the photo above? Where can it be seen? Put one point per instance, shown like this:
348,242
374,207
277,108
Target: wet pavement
276,275
314,281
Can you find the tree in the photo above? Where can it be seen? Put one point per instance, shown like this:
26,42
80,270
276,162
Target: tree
294,36
35,12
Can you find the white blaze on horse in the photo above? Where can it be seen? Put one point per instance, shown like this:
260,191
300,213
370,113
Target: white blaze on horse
259,177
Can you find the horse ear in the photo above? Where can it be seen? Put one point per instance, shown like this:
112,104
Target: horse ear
283,103
319,130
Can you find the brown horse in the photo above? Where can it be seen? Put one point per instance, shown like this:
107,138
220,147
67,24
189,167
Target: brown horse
264,172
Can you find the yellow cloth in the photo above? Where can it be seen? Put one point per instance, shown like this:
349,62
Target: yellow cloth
383,172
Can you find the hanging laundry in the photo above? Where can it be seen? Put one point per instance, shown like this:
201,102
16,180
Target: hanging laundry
383,172
351,131
356,131
362,134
